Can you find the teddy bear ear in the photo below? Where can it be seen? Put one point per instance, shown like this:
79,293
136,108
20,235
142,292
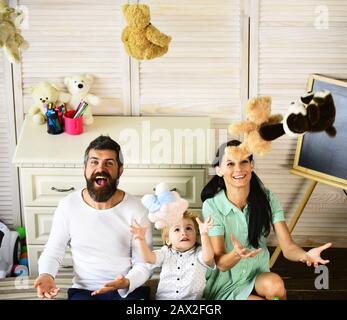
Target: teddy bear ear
125,8
306,99
267,99
55,86
145,9
67,80
89,77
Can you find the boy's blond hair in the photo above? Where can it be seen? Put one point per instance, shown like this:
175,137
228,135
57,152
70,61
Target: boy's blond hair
187,215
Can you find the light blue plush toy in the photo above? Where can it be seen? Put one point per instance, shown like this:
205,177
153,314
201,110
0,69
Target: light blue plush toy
162,195
165,207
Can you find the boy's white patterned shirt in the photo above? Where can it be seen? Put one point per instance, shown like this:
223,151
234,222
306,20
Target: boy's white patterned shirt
182,275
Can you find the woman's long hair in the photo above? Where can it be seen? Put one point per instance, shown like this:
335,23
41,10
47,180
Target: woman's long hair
259,210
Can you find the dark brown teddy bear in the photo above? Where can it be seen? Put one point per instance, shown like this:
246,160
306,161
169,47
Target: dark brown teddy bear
316,113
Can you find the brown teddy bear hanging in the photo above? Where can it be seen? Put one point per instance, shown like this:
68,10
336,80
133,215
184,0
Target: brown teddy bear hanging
316,113
141,39
10,34
258,111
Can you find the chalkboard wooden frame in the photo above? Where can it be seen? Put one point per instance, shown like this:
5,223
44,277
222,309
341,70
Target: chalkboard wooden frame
326,163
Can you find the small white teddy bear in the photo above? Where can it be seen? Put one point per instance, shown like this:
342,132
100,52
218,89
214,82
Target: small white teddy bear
79,87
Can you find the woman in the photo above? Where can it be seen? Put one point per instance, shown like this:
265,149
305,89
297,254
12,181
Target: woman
243,211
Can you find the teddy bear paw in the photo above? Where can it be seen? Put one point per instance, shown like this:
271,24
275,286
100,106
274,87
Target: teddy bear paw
38,119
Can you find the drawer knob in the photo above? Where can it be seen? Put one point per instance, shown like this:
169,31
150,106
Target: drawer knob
62,190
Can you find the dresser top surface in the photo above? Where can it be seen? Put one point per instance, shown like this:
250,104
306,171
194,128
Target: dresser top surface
144,140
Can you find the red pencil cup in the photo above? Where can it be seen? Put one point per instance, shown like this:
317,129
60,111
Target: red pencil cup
71,125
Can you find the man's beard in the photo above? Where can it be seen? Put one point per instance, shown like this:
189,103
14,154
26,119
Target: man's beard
104,193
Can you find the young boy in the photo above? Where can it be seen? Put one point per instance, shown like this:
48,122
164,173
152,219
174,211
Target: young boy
182,260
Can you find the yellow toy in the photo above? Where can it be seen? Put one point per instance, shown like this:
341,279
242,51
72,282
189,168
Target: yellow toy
5,10
238,153
258,113
43,94
10,37
141,39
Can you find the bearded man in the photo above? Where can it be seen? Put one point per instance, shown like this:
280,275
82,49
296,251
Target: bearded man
95,223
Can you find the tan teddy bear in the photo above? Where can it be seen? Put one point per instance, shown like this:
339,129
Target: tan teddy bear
258,111
5,10
141,39
10,37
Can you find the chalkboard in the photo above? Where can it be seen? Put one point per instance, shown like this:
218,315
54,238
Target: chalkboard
318,156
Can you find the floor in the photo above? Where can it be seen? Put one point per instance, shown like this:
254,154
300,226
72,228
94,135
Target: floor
300,279
22,288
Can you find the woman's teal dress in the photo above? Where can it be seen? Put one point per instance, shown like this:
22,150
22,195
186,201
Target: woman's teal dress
236,283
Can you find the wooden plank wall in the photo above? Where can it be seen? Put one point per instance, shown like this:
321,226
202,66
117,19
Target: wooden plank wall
222,52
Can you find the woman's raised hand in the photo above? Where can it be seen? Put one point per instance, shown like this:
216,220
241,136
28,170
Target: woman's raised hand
241,251
312,257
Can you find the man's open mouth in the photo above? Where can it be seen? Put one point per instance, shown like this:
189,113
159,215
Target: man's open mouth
101,180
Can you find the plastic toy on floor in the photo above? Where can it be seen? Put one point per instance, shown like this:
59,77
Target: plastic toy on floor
22,268
9,250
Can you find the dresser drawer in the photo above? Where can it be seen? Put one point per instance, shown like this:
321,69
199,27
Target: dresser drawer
188,182
38,222
47,186
34,252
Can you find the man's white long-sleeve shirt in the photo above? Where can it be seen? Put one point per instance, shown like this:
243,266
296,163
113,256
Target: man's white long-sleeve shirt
101,244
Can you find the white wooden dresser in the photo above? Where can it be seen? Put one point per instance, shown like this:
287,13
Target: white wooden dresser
156,149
